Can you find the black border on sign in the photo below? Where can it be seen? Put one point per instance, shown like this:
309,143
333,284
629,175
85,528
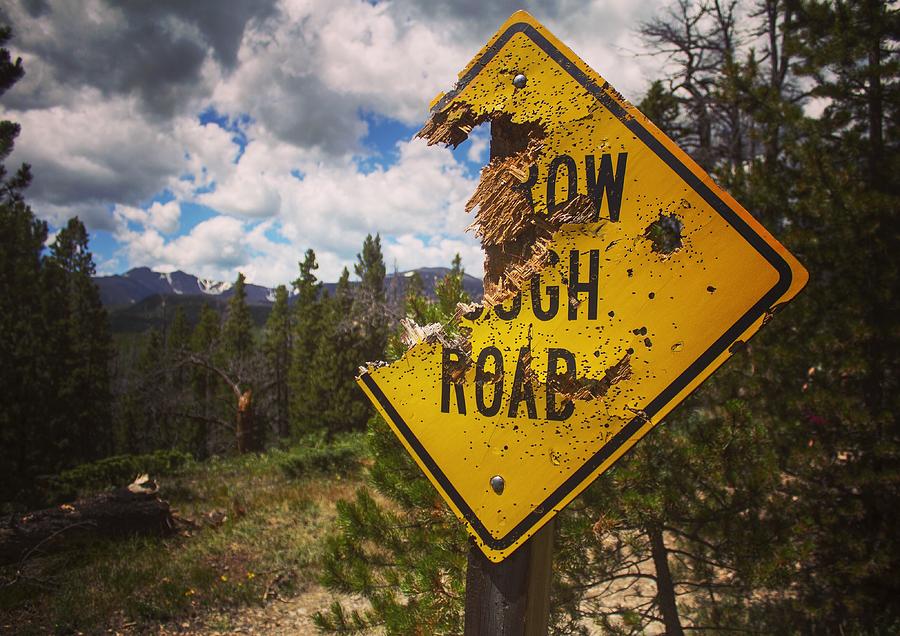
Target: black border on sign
697,367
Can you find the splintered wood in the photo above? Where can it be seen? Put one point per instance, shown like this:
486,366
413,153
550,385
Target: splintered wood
502,199
515,239
450,128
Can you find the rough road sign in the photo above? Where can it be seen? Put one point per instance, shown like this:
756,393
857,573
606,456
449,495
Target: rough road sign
618,276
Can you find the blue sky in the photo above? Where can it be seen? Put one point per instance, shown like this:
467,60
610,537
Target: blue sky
216,142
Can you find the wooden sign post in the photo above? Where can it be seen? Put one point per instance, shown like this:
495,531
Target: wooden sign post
512,597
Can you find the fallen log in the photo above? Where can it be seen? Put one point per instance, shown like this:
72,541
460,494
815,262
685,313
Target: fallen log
133,510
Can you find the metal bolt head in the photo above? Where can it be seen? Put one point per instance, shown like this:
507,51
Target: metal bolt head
498,484
519,81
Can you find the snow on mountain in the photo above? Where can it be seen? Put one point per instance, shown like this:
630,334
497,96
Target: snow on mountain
212,287
141,282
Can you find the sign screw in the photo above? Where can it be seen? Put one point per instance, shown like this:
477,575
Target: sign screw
519,81
498,484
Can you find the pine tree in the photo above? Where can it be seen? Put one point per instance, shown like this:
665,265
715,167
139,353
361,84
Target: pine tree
25,436
179,333
26,445
237,330
238,369
409,558
415,304
369,306
10,72
149,425
449,289
178,389
278,348
838,426
205,342
342,407
83,342
307,324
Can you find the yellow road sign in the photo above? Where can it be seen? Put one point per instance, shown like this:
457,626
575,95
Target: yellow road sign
626,277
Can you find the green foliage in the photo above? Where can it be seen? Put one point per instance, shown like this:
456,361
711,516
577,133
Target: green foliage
409,558
179,336
237,330
54,339
318,455
415,304
307,325
26,417
278,346
256,536
116,471
340,404
204,342
82,344
663,109
370,267
370,320
10,72
449,290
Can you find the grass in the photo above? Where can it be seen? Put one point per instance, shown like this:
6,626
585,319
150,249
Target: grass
253,529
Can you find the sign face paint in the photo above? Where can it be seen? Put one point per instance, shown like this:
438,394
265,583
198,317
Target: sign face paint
640,278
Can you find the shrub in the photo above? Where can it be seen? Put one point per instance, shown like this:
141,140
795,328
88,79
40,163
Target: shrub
110,472
316,455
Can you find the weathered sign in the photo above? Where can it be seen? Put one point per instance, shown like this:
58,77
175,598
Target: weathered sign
618,276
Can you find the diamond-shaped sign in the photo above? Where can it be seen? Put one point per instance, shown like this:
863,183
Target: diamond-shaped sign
619,276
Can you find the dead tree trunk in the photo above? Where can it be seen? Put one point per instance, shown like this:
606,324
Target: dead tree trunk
134,510
248,438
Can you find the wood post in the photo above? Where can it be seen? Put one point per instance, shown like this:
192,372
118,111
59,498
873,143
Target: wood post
511,598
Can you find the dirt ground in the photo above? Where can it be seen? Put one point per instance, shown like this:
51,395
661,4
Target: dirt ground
291,615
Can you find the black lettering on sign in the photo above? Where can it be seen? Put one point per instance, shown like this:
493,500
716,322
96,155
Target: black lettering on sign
452,370
522,391
552,293
591,285
572,173
605,180
555,380
495,378
512,312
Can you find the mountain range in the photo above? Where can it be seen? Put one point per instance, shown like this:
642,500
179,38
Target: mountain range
141,298
140,283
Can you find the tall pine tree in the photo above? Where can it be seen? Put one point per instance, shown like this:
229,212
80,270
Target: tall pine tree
407,558
279,350
205,343
83,345
307,324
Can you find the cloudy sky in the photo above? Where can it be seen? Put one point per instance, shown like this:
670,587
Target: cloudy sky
217,137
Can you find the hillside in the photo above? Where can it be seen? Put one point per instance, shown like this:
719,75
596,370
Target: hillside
249,535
